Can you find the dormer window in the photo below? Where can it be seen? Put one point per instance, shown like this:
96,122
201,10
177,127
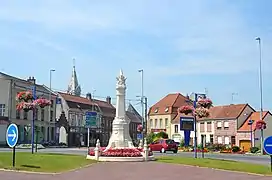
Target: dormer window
166,109
156,110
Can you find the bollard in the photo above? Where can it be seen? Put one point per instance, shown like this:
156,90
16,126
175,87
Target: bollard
145,150
97,150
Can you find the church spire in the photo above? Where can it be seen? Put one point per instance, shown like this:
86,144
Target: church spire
74,87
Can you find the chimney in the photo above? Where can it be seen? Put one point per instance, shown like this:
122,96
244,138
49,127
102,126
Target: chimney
32,80
108,99
89,96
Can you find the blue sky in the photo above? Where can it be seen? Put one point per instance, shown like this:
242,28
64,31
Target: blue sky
183,46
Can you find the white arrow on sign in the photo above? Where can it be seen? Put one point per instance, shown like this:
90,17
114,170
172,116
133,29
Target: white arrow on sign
12,135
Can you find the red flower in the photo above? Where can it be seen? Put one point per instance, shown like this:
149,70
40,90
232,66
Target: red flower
42,102
24,96
260,124
186,109
139,128
204,102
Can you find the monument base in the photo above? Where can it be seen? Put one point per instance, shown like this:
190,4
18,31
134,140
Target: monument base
121,159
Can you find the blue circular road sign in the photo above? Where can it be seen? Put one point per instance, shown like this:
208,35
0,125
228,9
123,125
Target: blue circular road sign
12,135
268,145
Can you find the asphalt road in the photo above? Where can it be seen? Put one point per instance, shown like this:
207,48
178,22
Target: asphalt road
265,160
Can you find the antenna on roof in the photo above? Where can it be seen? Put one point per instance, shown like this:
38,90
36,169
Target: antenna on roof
232,96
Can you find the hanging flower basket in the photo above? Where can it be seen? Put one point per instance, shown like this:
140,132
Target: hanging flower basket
25,106
204,102
260,124
202,112
24,96
42,102
186,109
140,128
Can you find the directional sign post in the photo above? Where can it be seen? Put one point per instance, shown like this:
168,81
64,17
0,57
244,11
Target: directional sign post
12,139
90,120
267,145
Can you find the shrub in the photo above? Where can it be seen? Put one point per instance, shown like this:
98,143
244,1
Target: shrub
235,149
254,149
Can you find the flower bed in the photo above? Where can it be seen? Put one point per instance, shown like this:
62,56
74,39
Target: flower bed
124,152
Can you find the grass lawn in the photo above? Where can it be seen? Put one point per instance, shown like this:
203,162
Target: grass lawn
42,162
219,164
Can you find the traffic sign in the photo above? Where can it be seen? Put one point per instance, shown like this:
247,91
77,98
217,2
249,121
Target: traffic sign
90,119
139,136
12,135
268,145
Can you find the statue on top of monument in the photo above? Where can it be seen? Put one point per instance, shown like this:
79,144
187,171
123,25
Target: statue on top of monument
121,79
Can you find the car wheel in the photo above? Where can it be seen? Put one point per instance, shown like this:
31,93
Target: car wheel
175,151
163,150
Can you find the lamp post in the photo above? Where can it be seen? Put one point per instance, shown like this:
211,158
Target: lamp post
50,94
258,39
250,122
33,120
142,100
196,96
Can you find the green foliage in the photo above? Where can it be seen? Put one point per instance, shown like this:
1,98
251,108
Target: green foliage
235,149
151,137
254,149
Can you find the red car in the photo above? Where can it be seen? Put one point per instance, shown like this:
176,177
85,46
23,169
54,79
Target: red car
164,145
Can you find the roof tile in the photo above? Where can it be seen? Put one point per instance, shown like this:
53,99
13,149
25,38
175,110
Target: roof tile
169,104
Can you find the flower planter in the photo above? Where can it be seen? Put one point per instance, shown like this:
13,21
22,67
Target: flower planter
140,128
206,103
202,112
186,109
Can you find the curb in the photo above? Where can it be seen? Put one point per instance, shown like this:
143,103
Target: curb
46,173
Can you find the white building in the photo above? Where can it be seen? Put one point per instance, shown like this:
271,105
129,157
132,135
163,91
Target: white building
45,119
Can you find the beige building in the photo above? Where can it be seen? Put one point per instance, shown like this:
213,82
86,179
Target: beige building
45,119
162,113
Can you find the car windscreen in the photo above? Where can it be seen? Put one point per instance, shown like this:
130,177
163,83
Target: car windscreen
170,141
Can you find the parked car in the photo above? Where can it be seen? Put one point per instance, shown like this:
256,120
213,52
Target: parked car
164,145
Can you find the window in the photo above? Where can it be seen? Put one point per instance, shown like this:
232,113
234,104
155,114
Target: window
166,122
156,110
18,114
211,139
25,115
151,123
233,141
2,109
36,114
161,123
176,128
219,125
166,109
226,125
202,127
42,115
51,115
156,123
227,140
219,140
209,126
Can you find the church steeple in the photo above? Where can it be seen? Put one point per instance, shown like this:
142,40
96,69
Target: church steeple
74,87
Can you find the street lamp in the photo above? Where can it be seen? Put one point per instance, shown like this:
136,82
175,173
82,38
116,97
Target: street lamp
196,96
258,39
142,96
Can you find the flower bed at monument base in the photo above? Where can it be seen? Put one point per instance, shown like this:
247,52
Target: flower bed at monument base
120,152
